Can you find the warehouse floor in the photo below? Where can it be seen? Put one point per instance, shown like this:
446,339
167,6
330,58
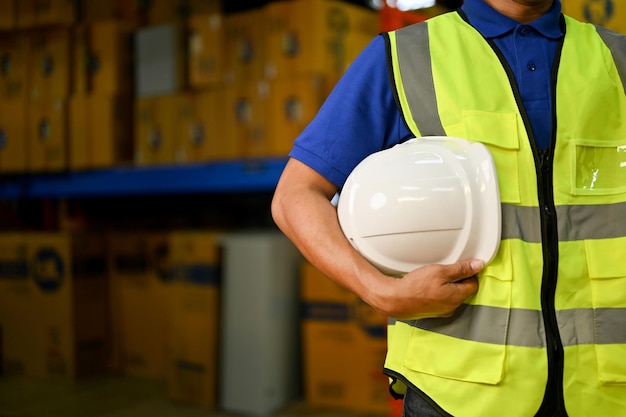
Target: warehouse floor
114,397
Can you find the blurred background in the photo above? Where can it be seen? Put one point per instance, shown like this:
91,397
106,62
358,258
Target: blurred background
140,271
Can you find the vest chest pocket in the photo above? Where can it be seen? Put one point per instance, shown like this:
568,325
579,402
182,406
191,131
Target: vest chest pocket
598,167
499,132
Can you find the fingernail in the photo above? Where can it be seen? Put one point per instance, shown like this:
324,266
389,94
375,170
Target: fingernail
477,265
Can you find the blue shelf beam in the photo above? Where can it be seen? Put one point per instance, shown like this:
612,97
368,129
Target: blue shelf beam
215,177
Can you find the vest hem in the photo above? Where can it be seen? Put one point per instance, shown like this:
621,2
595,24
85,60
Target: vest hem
397,377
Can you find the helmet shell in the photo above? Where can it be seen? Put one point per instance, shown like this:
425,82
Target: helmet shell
425,201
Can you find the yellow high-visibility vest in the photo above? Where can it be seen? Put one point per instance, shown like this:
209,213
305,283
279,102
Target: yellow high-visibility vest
550,312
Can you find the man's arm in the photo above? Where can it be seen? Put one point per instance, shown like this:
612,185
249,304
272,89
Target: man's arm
302,209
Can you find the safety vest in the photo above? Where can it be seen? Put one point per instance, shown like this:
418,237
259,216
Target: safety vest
547,327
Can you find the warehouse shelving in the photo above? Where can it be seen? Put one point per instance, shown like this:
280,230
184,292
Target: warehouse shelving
236,176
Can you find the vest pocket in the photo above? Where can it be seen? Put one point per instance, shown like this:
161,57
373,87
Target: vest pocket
599,167
452,358
607,273
499,132
470,346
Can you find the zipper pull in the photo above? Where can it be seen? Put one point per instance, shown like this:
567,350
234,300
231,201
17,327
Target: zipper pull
544,160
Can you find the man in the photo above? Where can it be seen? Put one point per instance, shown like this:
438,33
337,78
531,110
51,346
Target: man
541,330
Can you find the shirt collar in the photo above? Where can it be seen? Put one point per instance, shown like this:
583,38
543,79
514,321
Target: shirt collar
491,23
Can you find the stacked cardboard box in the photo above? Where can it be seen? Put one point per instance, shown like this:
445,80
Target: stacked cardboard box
140,275
269,70
100,107
53,305
344,345
194,318
221,86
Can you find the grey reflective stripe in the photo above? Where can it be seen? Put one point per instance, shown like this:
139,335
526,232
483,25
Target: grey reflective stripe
599,221
610,326
416,75
521,222
493,325
616,42
586,326
603,221
522,327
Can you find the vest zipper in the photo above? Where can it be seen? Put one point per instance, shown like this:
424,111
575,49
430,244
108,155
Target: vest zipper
553,404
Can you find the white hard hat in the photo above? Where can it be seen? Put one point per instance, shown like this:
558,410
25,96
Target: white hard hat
425,201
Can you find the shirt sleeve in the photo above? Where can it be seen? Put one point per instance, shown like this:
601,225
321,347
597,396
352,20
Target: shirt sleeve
358,118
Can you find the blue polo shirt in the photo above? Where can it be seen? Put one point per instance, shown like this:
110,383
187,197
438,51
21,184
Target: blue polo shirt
360,116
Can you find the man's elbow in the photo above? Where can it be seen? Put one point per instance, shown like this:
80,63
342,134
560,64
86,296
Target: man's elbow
277,209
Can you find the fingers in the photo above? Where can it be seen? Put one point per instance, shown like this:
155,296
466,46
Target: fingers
465,269
435,290
462,275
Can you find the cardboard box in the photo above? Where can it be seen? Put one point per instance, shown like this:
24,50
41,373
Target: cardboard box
156,131
79,133
147,132
204,6
281,39
259,349
95,10
324,36
610,14
140,278
47,135
110,58
15,50
13,144
200,138
52,12
205,49
344,347
121,10
194,298
37,13
102,58
100,133
26,14
159,60
80,59
184,129
293,102
244,46
54,285
159,12
50,66
243,112
110,132
14,280
8,14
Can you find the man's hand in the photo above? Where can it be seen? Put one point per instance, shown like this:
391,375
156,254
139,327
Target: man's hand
429,291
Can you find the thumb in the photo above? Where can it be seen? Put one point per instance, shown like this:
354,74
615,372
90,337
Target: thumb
466,269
